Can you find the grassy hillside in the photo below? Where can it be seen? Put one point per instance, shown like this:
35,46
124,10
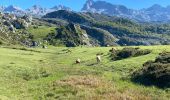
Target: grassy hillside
40,32
52,74
125,31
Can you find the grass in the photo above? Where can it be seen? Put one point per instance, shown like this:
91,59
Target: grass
47,74
41,32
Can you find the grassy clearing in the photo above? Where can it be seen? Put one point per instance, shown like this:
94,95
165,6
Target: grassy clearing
41,31
35,73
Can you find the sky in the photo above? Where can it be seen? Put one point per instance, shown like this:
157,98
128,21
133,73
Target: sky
78,4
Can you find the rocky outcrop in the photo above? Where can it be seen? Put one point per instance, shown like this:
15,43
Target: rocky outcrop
9,23
70,35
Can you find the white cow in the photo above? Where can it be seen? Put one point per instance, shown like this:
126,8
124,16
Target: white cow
78,61
98,58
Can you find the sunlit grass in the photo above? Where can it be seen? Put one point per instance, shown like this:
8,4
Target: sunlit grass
30,73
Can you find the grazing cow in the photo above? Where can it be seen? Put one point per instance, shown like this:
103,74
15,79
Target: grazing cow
44,47
78,61
98,58
112,50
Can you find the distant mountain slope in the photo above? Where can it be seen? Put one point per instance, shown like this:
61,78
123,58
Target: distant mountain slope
39,11
68,28
123,31
35,10
154,13
14,10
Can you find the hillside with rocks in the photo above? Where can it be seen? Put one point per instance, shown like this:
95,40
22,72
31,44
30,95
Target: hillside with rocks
12,29
118,31
69,28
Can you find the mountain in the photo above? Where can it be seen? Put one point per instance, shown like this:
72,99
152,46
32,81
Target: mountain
13,9
88,5
69,28
60,7
2,8
40,11
154,13
105,8
105,30
36,10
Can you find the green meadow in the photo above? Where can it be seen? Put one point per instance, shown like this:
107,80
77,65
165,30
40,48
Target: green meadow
50,74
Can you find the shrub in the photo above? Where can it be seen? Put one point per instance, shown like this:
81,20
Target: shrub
1,42
128,52
155,72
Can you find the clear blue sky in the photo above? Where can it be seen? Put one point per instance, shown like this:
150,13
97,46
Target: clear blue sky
77,4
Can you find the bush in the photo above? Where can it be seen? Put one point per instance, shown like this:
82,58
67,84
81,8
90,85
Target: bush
155,72
1,42
128,52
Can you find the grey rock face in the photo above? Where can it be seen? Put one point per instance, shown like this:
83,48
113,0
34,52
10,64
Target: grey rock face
154,13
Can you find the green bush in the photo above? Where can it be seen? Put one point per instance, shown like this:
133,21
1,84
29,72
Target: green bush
128,52
155,72
1,42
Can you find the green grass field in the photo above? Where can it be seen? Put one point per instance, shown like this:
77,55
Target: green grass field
47,74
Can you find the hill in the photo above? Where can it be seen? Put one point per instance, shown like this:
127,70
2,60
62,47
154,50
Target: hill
58,28
12,29
125,32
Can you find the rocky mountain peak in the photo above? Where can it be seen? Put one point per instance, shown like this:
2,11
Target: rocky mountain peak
155,7
60,7
153,13
2,8
88,4
36,10
12,8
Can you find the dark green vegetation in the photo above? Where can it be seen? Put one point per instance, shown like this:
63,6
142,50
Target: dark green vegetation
71,35
127,52
155,72
51,74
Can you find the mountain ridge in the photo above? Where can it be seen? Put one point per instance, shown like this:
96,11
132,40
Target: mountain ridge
121,31
155,13
35,10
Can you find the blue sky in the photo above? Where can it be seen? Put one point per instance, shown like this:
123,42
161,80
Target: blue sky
77,4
